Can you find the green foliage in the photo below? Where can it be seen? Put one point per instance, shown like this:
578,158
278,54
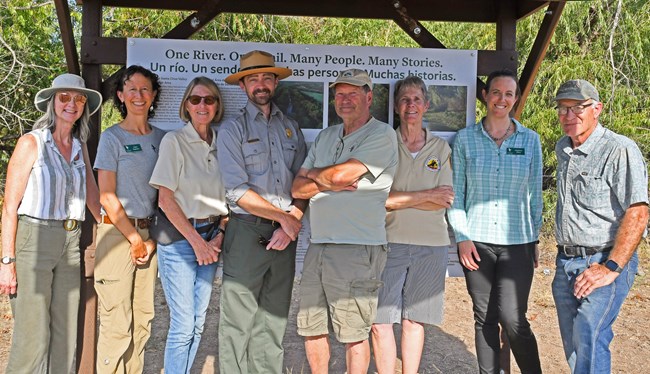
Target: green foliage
30,57
581,49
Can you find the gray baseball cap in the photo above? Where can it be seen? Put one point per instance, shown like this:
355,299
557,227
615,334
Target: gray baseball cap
355,77
577,89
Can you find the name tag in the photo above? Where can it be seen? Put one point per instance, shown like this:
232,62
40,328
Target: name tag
133,148
516,151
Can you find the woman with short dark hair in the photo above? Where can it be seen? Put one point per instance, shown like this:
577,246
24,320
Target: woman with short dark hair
125,264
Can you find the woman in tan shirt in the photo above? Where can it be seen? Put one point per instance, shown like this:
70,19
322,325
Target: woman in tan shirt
414,276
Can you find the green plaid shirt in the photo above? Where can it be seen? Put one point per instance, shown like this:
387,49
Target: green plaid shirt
498,190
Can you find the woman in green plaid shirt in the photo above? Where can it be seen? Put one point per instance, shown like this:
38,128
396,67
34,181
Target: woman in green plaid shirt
496,217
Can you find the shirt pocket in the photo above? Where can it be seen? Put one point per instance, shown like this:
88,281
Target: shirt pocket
520,166
289,151
474,164
255,157
592,190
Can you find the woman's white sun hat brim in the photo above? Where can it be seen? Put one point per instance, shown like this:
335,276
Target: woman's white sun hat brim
68,82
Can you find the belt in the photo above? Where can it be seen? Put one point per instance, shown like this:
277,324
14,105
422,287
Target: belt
581,251
200,221
68,224
253,219
141,223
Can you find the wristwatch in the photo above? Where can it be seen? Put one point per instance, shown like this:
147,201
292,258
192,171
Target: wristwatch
6,260
610,264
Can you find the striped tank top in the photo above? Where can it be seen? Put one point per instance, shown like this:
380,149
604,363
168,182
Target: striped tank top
55,189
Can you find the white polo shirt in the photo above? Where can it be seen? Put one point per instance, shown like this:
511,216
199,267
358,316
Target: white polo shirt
188,166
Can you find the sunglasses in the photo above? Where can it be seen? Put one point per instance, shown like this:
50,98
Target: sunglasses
65,98
196,99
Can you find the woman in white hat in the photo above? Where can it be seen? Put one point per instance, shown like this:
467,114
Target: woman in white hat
49,182
125,262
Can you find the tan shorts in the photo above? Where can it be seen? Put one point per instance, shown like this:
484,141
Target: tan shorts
342,279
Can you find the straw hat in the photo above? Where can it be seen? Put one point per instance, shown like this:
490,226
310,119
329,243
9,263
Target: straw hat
255,62
68,82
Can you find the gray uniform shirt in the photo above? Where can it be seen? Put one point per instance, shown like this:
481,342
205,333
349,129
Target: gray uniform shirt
261,155
132,158
596,183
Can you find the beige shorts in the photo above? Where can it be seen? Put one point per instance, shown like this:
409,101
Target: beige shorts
342,281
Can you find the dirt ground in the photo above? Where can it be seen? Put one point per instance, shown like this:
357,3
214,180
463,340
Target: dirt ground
449,349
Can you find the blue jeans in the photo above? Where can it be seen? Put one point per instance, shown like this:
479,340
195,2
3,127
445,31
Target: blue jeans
187,288
586,324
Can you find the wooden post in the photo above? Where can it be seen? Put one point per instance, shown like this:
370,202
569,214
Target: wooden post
87,322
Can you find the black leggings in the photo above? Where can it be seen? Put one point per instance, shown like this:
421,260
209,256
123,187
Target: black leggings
499,290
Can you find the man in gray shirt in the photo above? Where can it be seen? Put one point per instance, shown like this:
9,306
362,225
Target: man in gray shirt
259,153
602,214
347,176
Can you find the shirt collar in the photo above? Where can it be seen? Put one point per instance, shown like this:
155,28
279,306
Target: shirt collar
518,126
76,145
253,110
192,135
427,135
591,142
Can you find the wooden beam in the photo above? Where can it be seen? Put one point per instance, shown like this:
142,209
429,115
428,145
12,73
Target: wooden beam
506,40
103,50
538,52
527,8
67,36
413,27
195,22
506,36
87,321
488,61
427,10
420,34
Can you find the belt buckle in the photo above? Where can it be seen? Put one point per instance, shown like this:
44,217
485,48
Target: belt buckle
570,251
142,223
70,224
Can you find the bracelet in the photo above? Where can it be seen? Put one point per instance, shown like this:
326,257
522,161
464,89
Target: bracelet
221,230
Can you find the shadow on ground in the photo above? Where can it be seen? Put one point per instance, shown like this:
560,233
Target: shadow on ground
443,353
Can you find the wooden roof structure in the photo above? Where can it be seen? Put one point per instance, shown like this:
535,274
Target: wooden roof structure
97,50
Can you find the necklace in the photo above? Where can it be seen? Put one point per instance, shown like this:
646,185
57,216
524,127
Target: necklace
502,137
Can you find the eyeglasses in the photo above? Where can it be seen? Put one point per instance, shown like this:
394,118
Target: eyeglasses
576,109
196,99
65,98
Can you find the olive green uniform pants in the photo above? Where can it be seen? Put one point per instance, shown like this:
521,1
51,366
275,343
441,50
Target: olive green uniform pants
255,300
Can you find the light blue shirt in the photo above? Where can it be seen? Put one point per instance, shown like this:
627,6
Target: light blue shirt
596,183
498,189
